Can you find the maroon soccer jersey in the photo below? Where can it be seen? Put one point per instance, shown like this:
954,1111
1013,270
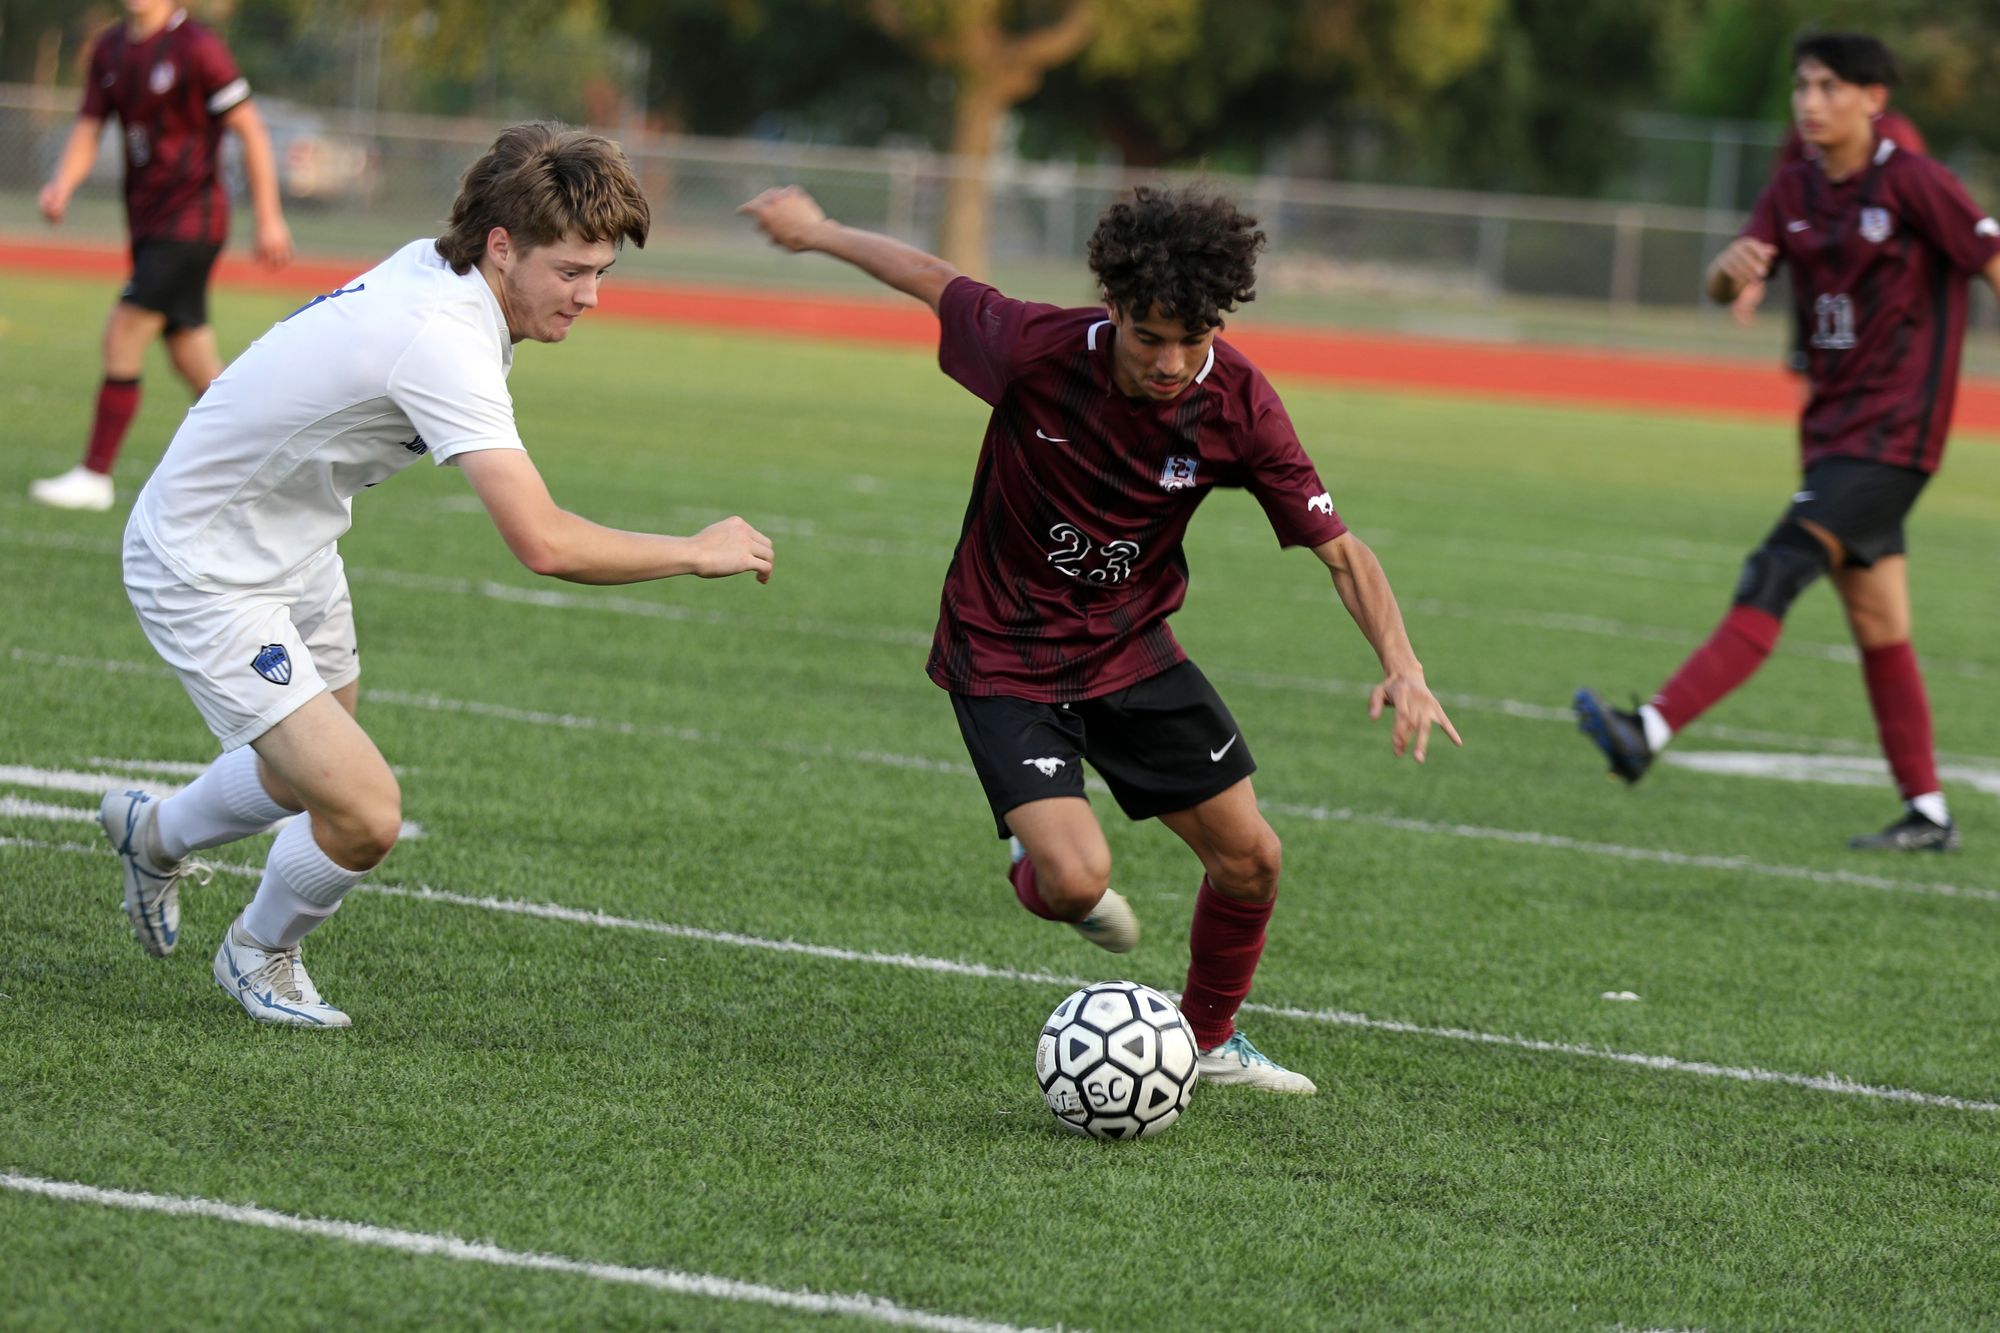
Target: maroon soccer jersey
1070,560
1880,264
169,93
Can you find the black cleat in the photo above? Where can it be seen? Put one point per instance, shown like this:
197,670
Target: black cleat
1914,832
1622,736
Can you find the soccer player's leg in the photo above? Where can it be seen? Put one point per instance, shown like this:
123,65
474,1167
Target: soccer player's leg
354,813
1029,758
1241,855
1170,750
88,485
190,341
1876,598
1796,552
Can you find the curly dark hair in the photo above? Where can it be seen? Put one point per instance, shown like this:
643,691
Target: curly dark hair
1191,254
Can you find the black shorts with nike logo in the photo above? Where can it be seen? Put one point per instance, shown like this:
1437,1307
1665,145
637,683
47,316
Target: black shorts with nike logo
1167,743
1860,501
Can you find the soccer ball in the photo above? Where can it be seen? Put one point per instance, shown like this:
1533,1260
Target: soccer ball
1116,1061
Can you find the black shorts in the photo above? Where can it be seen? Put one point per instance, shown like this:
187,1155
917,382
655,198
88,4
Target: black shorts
1861,502
171,278
1167,743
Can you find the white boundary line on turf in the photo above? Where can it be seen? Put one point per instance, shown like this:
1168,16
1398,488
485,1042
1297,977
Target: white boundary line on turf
620,605
1828,1083
1324,814
429,1245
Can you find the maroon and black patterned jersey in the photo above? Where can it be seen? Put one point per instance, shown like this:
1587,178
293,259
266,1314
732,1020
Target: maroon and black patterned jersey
1070,559
1880,265
169,93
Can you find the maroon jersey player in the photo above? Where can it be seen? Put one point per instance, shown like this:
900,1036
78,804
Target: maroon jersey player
174,88
1110,425
1882,244
1890,125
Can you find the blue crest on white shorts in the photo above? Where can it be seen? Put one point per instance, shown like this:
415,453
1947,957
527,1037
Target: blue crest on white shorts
273,663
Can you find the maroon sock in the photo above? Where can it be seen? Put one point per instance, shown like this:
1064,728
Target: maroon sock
1731,656
117,403
1022,876
1223,948
1902,716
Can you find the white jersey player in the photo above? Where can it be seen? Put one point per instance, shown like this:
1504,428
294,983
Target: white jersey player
231,559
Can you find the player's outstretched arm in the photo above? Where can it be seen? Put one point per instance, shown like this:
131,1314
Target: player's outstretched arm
550,540
79,154
260,170
1364,590
794,220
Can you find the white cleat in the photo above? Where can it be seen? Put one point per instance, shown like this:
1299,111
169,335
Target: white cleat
78,488
271,984
152,892
1112,925
1237,1061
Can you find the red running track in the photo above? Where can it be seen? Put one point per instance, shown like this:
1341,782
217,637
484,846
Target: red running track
1565,376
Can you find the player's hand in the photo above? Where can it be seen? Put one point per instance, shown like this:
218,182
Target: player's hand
53,201
1746,260
788,215
732,547
1744,307
274,243
1417,711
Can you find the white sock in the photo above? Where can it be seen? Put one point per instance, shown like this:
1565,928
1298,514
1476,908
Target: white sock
226,802
1932,807
302,886
1658,733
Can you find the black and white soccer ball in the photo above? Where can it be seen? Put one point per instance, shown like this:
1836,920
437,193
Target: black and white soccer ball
1116,1061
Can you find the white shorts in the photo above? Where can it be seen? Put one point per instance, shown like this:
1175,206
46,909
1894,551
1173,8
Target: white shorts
248,657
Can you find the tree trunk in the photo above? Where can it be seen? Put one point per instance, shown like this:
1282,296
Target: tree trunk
977,111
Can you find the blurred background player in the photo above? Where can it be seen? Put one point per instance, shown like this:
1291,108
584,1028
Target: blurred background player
1882,243
231,560
174,88
1891,125
1110,426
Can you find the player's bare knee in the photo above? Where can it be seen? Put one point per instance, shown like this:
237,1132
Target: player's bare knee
1072,885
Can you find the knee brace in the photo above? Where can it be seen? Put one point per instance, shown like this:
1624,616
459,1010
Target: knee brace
1782,568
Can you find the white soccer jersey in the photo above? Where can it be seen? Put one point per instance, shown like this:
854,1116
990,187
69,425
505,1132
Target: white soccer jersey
406,360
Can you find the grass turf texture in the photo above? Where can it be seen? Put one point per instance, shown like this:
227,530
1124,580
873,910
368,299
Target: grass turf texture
629,1098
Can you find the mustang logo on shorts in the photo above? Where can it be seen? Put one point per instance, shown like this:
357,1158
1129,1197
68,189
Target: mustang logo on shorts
273,663
1048,768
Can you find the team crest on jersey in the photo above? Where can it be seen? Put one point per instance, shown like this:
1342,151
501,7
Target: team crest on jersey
273,663
1876,225
1177,474
162,77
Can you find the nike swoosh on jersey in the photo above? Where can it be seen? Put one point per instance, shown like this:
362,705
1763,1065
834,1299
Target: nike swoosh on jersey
1800,225
1052,439
1215,756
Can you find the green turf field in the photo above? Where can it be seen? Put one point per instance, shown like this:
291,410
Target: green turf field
1495,1145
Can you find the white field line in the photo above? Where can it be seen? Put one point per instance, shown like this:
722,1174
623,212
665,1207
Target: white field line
1834,770
1844,654
15,806
919,763
429,1245
1829,1083
619,604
